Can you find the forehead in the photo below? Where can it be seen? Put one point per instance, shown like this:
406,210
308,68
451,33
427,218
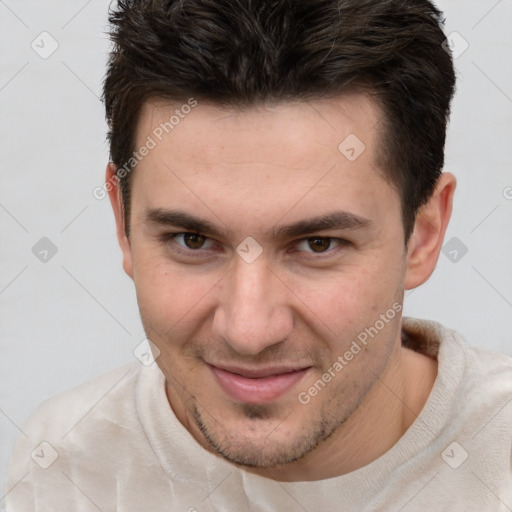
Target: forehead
324,122
276,157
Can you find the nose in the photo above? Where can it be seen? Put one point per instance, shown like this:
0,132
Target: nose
252,314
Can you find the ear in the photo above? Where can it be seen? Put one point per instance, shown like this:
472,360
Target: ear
116,200
429,229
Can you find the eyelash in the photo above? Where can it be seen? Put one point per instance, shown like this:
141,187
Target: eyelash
169,238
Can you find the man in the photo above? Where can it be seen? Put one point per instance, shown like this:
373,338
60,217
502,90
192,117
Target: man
277,184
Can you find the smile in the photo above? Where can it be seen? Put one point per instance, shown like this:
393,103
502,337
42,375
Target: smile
257,386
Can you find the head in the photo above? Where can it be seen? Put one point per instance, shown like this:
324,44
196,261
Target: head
276,172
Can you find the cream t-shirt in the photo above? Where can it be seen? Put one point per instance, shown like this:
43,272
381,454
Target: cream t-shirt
114,444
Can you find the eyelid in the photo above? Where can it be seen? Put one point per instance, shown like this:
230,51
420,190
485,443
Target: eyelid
168,238
338,241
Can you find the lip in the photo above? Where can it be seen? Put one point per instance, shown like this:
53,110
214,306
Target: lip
257,386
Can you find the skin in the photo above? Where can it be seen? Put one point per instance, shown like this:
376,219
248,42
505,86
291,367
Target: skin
249,172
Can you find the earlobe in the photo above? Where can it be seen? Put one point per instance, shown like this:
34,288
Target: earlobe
116,200
429,229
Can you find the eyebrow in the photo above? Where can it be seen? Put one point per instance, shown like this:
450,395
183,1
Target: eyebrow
187,221
330,221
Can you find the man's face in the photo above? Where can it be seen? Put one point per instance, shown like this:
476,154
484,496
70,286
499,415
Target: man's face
247,326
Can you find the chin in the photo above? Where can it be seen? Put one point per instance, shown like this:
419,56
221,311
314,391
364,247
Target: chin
259,439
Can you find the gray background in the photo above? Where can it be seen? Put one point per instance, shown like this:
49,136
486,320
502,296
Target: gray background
74,316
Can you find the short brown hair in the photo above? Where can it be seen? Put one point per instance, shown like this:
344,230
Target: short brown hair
245,52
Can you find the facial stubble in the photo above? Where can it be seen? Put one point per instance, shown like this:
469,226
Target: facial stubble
267,452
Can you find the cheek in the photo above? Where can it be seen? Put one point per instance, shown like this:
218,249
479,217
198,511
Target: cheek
352,297
343,305
171,301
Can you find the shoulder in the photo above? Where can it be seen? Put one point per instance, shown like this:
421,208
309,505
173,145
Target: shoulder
479,387
69,421
81,432
487,373
56,415
478,362
473,379
454,352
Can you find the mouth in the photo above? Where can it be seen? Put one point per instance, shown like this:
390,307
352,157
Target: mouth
257,386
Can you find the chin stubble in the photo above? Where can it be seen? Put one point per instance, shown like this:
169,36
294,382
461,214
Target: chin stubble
266,454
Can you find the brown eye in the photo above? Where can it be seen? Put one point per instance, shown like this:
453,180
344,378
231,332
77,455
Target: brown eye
319,244
194,240
187,243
